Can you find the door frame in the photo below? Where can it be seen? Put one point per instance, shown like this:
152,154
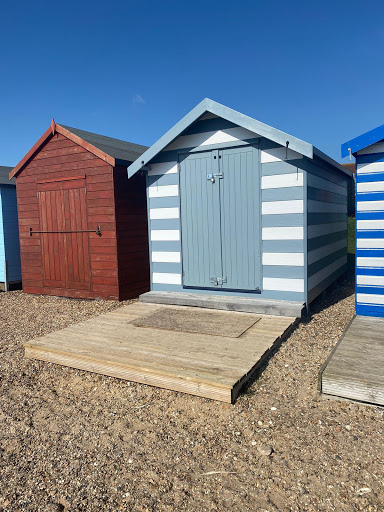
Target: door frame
255,143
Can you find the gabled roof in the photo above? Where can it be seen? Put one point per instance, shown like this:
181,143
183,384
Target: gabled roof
362,141
4,176
112,151
259,128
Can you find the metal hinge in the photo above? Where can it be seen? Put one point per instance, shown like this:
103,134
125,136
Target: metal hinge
218,280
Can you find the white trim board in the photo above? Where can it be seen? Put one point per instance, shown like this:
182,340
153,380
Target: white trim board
282,181
367,298
165,257
290,233
164,278
281,284
370,243
281,207
163,191
163,168
291,259
164,213
165,235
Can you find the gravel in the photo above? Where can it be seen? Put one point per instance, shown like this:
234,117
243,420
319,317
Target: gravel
71,440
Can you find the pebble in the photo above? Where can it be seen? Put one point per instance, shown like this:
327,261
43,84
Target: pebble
364,490
273,409
265,449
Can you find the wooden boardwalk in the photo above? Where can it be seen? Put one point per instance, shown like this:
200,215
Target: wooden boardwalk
355,369
199,364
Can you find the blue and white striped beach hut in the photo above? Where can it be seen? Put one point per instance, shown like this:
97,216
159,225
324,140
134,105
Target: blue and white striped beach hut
368,150
10,266
241,211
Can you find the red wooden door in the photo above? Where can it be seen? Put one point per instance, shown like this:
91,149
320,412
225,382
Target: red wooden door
65,255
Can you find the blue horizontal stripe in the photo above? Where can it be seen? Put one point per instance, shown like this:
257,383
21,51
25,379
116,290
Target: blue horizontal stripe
165,224
370,196
370,234
164,202
370,310
370,253
282,194
376,290
368,178
167,268
369,215
369,271
165,246
370,158
163,179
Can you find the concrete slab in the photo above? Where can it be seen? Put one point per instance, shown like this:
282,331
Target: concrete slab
226,302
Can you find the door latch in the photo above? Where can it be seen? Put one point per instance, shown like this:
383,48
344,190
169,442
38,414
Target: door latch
213,176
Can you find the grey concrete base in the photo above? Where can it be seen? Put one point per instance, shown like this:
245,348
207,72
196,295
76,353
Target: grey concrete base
228,303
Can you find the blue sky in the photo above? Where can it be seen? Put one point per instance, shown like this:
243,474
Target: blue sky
132,69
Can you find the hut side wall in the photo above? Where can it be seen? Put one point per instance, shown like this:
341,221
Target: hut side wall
370,231
62,158
10,226
327,211
132,234
282,212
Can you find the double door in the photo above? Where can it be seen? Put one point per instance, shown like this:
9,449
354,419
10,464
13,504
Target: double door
220,219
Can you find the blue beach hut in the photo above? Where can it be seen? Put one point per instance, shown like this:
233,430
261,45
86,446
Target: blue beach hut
10,266
368,149
242,215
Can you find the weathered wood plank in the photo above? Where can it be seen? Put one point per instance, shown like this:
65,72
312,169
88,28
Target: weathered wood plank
209,366
355,369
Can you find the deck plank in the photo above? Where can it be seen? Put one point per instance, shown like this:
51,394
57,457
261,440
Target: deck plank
355,370
209,366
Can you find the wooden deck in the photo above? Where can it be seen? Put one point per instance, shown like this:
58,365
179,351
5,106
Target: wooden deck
355,368
199,364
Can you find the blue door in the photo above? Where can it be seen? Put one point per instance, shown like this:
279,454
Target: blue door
220,210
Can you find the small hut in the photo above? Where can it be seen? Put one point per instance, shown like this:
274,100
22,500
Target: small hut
83,224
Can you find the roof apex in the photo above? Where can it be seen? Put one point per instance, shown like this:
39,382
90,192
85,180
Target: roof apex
259,128
362,141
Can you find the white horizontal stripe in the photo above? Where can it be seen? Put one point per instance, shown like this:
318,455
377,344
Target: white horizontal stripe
370,280
282,181
324,229
371,225
370,168
278,155
321,252
321,183
213,137
378,147
278,207
370,243
163,168
165,257
369,206
163,191
369,262
296,233
283,285
325,207
165,235
325,272
371,186
164,213
365,298
292,259
162,278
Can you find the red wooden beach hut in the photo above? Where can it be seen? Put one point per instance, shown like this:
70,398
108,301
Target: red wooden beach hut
83,224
